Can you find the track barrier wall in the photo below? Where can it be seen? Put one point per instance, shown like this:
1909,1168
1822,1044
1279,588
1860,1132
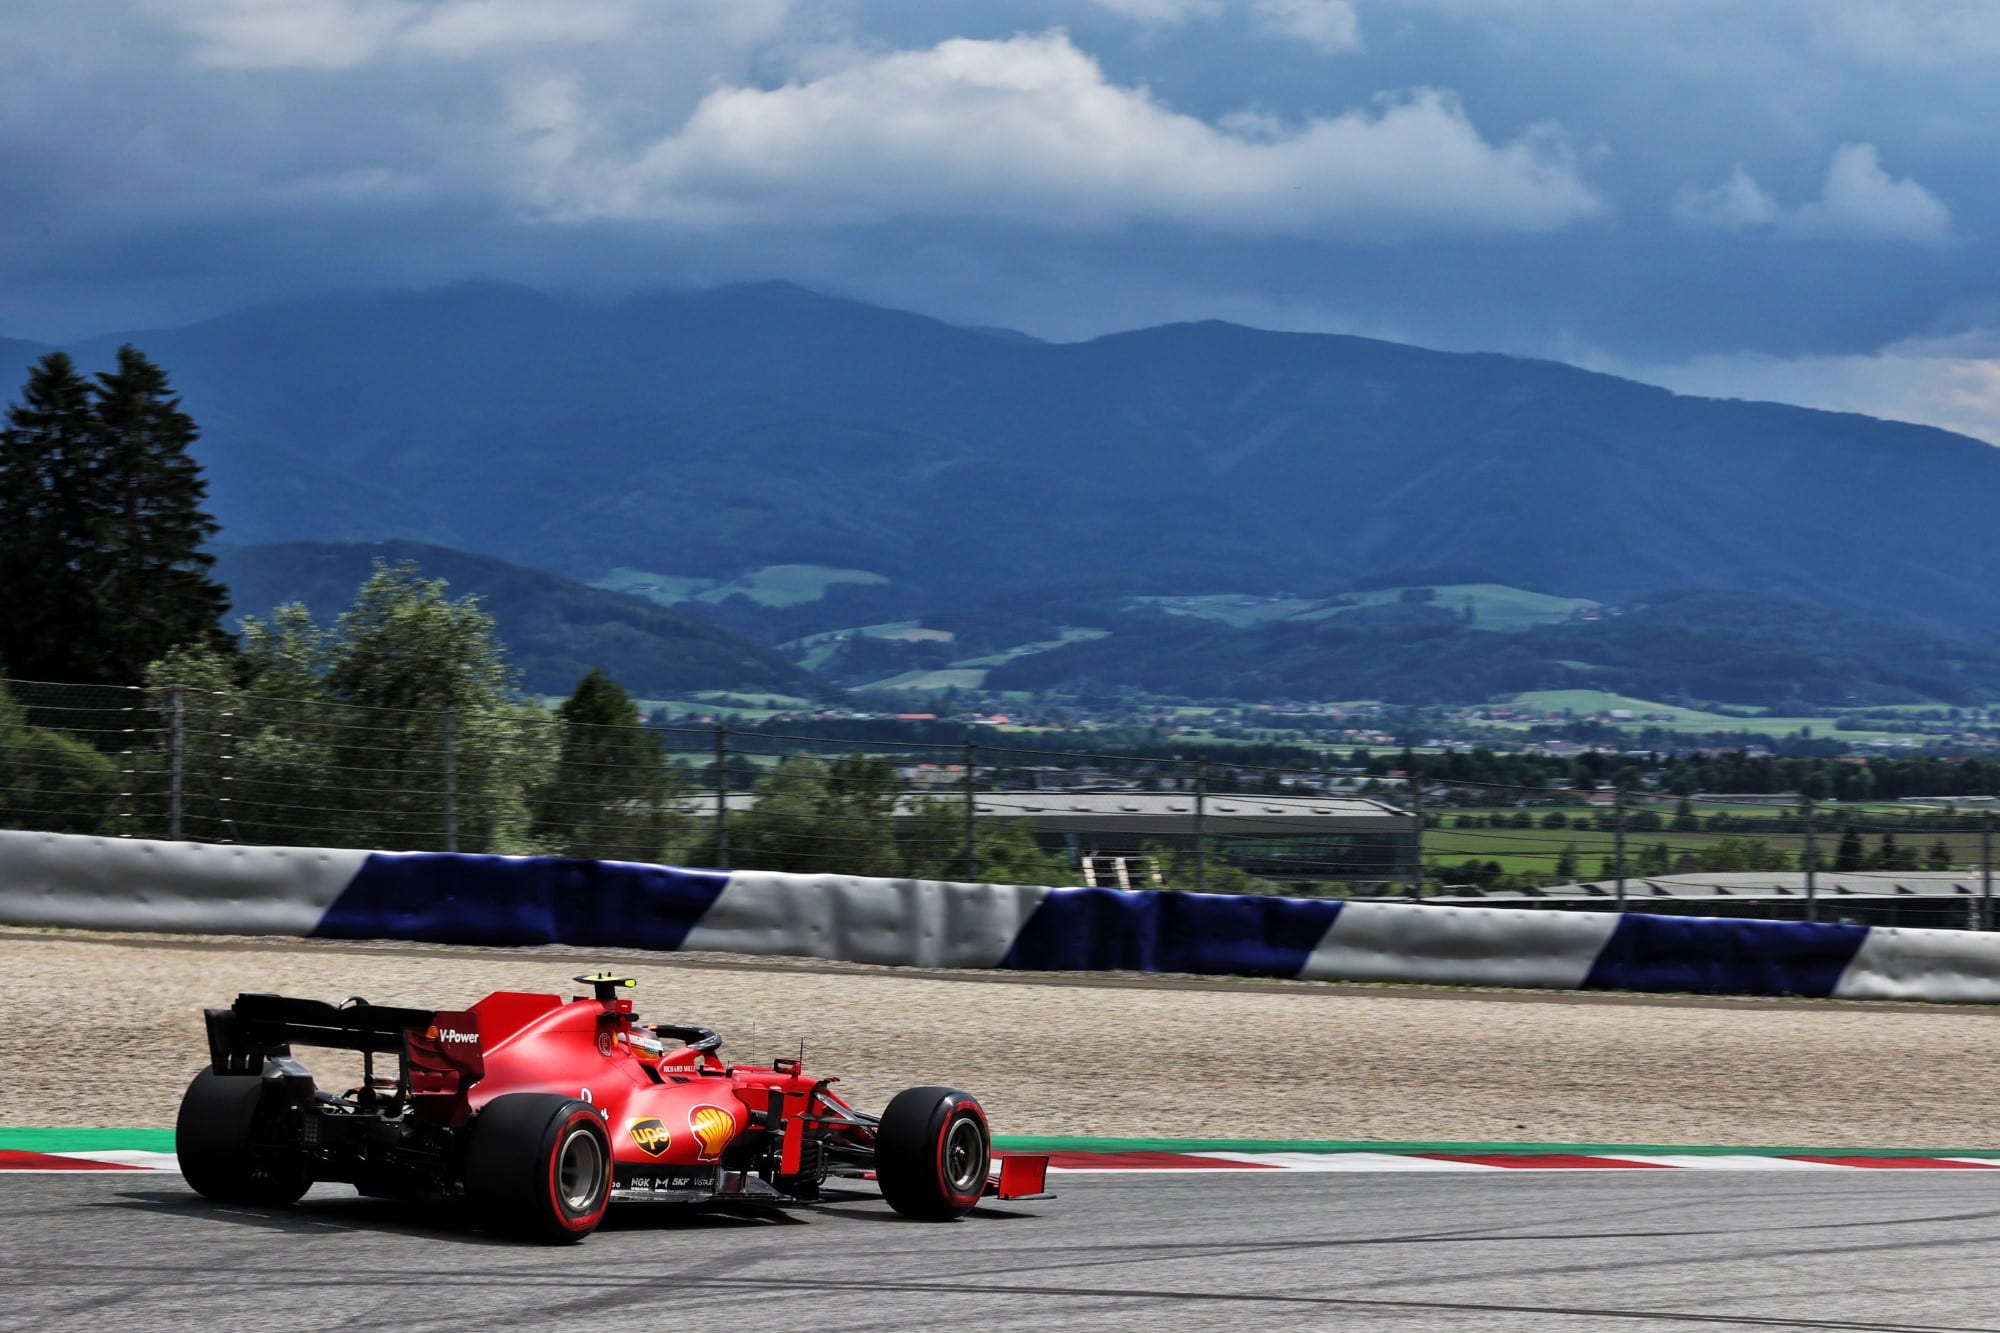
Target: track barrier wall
52,879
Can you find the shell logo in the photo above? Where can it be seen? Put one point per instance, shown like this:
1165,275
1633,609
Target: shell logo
713,1128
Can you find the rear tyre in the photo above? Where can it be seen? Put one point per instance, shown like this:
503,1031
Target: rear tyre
217,1139
538,1167
931,1153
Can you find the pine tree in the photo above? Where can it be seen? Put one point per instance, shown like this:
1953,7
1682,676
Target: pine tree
149,578
1850,854
612,793
47,461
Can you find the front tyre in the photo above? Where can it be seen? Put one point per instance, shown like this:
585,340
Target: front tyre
538,1167
931,1153
217,1139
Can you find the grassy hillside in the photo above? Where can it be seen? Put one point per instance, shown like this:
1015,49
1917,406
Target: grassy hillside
770,585
555,629
1685,648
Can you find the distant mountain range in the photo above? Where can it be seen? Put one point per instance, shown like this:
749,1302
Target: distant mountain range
704,434
788,464
555,629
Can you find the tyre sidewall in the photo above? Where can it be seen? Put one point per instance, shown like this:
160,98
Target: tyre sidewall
513,1166
212,1142
947,1115
573,1221
911,1143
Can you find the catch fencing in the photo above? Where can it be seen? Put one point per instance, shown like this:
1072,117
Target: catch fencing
233,767
182,762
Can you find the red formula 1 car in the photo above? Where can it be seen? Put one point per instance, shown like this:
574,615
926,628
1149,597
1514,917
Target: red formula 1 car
541,1114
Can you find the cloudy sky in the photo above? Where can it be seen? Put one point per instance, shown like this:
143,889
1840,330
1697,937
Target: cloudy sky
1792,199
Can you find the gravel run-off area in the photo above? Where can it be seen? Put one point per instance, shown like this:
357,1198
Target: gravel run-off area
102,1030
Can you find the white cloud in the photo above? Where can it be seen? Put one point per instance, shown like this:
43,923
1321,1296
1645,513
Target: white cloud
1858,201
1030,130
1737,203
344,34
1862,202
1161,13
1952,383
1328,25
1923,35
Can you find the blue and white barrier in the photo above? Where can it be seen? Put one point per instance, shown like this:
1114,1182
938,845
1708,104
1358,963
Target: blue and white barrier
127,884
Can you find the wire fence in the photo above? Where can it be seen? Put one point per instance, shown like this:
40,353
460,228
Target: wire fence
226,765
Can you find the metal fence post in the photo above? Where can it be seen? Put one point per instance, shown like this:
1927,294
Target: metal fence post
1201,825
176,750
1417,836
1986,872
450,780
1618,846
1811,859
721,797
971,816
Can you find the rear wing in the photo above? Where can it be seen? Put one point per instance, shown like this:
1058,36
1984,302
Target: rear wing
261,1027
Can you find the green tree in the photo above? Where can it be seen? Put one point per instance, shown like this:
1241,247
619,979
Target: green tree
419,676
1566,863
612,793
931,842
150,583
1743,854
1685,819
1891,856
817,818
1849,855
47,464
1938,857
49,780
337,737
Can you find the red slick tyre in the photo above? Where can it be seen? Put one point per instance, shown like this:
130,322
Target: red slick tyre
219,1121
538,1167
931,1153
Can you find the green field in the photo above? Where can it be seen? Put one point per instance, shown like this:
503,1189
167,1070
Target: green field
1235,609
1065,636
1494,606
1586,703
666,589
941,678
771,585
1535,850
746,703
969,673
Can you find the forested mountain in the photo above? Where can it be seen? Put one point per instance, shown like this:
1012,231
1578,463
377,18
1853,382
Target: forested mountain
709,433
555,629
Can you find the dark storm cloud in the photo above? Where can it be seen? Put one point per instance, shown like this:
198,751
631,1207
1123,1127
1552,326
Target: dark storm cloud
1712,193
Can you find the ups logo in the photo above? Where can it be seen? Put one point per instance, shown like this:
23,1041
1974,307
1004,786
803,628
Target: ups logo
651,1136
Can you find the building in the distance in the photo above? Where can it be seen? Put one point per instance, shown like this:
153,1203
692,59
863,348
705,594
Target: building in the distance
1115,836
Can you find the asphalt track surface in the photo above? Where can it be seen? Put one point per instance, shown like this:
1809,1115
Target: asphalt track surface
1501,1252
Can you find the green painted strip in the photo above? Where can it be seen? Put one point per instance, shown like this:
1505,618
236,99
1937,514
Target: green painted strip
1066,1144
162,1140
87,1140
